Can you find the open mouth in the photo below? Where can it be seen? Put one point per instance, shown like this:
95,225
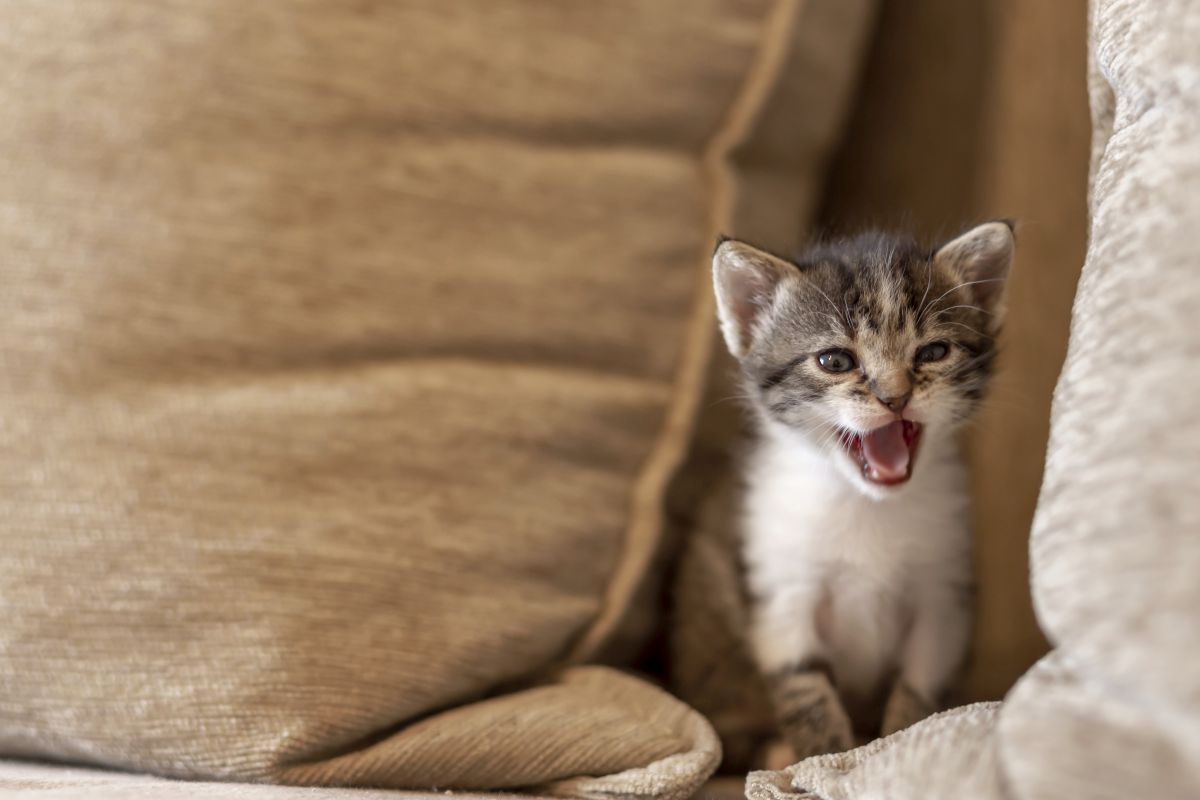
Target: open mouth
886,455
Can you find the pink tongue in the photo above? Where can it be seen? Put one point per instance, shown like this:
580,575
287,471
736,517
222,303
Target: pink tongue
886,451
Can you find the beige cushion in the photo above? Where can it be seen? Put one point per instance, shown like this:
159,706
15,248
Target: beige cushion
346,350
1114,710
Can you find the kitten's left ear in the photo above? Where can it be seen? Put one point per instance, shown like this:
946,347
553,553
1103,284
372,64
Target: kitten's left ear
981,258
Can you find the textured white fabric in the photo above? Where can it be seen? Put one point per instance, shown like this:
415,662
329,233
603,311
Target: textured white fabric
1114,710
1115,552
950,755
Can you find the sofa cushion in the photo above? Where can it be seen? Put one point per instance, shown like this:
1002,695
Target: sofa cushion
346,350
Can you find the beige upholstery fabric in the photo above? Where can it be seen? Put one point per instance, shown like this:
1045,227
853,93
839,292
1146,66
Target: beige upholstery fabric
1114,710
345,351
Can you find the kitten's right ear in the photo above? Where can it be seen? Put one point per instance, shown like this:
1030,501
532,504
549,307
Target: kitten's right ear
744,279
980,259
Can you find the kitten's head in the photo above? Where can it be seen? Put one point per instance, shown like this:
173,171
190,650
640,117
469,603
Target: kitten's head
866,346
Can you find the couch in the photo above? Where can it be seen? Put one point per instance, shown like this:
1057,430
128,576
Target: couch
359,382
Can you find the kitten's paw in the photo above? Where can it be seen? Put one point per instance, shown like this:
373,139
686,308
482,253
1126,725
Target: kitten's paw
811,715
904,707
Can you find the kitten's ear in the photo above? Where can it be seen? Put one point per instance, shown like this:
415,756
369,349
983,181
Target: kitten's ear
981,258
744,279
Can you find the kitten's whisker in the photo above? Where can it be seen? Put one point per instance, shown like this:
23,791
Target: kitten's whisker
744,398
963,305
829,316
823,430
921,316
968,327
824,442
845,319
928,283
834,441
831,436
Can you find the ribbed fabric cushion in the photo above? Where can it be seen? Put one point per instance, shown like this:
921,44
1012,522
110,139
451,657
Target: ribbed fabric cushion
345,349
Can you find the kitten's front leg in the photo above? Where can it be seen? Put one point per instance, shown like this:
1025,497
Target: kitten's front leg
809,712
794,662
932,654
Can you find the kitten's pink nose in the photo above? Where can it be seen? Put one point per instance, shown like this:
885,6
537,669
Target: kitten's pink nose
892,388
894,403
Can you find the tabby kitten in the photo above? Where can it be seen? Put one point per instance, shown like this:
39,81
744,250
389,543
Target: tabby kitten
861,360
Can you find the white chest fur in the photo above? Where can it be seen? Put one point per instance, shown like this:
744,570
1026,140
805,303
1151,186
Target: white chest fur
837,576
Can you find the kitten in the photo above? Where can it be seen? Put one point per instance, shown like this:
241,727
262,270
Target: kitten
861,360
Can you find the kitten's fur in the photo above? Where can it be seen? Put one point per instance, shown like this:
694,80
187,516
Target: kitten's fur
855,546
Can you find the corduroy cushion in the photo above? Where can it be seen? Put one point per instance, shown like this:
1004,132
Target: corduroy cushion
346,348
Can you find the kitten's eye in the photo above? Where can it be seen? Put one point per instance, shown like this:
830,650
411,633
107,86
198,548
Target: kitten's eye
934,351
836,360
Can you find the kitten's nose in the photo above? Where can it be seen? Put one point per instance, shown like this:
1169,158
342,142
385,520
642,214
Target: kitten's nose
896,403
